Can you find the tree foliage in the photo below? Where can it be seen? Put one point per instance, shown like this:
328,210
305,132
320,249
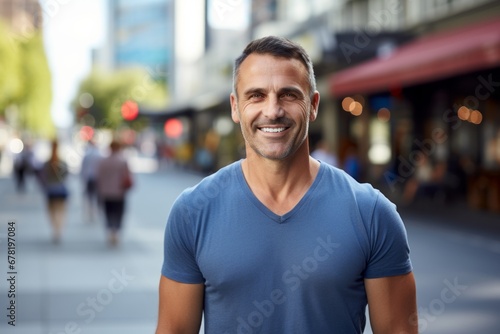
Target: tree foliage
111,89
10,68
25,81
36,97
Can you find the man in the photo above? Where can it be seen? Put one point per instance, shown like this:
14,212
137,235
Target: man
279,242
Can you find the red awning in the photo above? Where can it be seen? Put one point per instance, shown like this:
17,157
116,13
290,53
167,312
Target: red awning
429,58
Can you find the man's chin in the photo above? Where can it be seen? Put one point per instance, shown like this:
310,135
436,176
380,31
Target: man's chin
275,155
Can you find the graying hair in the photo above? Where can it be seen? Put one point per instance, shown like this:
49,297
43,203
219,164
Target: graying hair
277,47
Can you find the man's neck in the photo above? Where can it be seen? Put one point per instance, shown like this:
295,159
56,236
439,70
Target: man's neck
280,184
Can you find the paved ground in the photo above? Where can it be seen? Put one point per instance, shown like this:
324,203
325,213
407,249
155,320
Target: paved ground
82,283
83,286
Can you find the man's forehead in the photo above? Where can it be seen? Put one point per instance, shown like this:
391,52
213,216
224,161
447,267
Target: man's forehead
264,66
270,58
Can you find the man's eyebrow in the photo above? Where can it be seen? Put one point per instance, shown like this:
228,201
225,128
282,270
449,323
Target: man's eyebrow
251,91
294,90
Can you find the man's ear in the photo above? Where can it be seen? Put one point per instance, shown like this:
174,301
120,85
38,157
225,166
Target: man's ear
234,108
314,106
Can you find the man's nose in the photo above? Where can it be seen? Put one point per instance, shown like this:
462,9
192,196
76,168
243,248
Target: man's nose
273,108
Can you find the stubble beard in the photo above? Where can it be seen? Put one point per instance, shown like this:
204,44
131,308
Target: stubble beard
287,152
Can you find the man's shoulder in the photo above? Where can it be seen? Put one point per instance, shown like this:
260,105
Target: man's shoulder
343,187
341,179
214,184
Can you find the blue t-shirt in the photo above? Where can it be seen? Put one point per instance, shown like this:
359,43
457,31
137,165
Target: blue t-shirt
302,272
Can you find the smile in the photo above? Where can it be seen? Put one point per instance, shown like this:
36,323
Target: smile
273,130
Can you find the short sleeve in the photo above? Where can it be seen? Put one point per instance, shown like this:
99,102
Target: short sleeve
389,249
179,262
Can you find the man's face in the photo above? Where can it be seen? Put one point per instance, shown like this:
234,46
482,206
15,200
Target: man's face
273,105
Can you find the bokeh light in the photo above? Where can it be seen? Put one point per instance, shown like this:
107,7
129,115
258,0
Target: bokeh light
86,133
357,108
463,113
16,145
129,110
346,103
173,128
384,115
86,100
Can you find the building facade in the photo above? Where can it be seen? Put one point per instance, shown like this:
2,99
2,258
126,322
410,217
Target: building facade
427,58
141,33
435,98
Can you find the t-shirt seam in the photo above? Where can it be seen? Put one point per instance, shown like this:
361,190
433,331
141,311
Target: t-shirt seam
181,277
393,271
372,215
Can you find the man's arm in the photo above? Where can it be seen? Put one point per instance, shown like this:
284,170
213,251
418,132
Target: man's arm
181,307
392,303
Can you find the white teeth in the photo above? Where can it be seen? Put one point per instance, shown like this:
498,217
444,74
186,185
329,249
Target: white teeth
273,129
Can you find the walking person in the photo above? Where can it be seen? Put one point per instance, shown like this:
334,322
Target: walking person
279,242
113,182
88,174
22,167
53,177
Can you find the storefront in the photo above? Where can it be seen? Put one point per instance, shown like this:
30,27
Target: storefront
438,97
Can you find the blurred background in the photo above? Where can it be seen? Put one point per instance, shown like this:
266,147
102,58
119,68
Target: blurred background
398,80
410,102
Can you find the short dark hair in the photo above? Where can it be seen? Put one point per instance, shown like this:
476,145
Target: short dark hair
277,47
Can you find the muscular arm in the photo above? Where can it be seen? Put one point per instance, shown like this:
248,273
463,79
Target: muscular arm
392,304
181,307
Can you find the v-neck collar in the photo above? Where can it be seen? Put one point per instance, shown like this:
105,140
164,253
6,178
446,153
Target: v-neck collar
280,219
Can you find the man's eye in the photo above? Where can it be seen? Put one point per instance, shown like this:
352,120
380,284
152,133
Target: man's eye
288,96
256,96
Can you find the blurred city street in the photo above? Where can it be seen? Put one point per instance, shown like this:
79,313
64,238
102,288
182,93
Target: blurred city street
410,102
84,286
82,283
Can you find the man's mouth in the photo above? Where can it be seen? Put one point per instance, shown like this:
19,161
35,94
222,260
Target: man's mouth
273,130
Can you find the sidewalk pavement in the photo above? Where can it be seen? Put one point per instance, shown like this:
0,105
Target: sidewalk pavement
455,215
82,285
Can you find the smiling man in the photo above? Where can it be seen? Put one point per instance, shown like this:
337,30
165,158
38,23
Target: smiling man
279,242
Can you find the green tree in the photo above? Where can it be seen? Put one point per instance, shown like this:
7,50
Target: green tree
35,102
25,81
110,90
10,67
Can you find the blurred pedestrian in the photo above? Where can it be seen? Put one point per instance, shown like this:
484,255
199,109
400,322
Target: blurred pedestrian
322,152
426,182
53,177
352,163
22,167
113,182
88,174
279,242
